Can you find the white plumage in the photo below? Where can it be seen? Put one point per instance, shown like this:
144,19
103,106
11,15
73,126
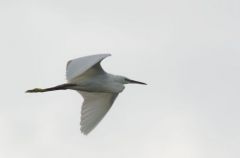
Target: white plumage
77,67
98,88
94,108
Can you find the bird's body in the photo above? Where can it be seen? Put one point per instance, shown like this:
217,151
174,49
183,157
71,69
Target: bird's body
98,88
105,83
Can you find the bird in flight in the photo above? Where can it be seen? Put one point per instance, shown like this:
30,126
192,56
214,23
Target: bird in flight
98,88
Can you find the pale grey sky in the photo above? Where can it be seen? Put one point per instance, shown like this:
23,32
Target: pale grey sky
187,51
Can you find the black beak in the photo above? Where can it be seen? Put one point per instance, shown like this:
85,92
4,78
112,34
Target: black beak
136,82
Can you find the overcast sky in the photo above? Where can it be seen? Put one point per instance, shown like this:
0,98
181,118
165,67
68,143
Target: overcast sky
187,51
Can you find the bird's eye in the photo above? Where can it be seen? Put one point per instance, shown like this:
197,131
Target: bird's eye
127,80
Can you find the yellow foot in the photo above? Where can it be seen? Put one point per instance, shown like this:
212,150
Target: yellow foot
35,90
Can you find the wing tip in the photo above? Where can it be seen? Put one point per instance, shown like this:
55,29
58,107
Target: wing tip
69,62
85,131
105,55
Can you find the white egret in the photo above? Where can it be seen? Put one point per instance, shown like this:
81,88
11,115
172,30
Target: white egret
98,88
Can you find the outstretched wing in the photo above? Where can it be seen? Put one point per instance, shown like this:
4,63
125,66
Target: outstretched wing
94,108
77,67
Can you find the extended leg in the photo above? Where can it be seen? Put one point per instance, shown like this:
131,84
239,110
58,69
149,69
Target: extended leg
59,87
